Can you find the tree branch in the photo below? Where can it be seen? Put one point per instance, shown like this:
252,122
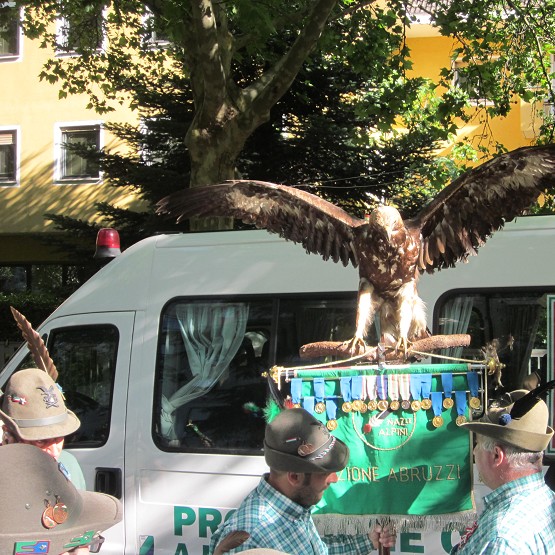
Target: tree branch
209,56
271,86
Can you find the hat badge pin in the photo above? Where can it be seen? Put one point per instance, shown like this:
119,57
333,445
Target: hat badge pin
505,419
49,396
306,449
54,514
17,399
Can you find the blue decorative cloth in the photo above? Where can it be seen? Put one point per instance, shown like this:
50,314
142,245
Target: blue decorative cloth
275,522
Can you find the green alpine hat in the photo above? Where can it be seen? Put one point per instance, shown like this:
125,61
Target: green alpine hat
296,442
42,512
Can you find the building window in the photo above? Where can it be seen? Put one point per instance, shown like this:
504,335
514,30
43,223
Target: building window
469,79
9,30
155,32
82,32
8,157
57,279
76,145
549,105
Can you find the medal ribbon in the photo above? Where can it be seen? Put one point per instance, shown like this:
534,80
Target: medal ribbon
308,404
319,389
415,386
345,384
437,402
472,378
296,390
331,409
447,384
370,386
356,387
425,385
393,386
460,400
381,381
404,386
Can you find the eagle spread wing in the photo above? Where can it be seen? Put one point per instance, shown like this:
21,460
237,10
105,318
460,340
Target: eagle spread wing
320,226
464,214
389,252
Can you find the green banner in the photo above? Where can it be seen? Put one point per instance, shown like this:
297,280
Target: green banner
401,466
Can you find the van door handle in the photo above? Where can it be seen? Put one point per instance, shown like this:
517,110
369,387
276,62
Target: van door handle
108,480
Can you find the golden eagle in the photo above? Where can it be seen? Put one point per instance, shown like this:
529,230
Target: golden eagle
389,252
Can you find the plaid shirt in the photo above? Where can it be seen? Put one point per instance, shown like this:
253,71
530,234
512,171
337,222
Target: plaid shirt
518,519
275,522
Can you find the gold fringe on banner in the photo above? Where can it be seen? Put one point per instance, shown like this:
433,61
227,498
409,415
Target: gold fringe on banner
354,524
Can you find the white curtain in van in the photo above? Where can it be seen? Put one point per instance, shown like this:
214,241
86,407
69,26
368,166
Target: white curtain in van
455,320
212,334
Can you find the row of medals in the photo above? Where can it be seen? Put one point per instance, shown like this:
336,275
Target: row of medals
360,406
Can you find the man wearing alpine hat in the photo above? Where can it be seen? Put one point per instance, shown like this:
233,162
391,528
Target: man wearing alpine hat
519,514
33,411
304,460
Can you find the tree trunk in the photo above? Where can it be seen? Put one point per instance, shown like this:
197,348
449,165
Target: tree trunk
214,149
227,114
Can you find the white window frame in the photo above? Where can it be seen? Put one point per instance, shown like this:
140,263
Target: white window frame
59,129
147,156
153,42
61,37
6,58
15,129
549,107
474,100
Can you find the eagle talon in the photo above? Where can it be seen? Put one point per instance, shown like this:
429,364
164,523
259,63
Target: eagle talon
405,344
355,346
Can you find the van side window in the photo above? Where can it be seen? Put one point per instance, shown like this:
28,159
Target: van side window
513,321
85,358
211,387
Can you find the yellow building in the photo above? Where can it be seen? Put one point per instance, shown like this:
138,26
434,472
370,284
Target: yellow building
38,175
429,53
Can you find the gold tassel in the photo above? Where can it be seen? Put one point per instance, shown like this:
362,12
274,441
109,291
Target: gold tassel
36,345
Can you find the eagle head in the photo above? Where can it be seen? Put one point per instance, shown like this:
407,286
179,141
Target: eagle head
386,220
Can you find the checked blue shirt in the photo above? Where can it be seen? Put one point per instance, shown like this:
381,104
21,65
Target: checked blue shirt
274,521
518,519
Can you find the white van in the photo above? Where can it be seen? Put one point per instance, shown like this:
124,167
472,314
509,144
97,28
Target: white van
161,354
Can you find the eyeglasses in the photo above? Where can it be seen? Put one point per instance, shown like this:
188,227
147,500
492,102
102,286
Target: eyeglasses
96,544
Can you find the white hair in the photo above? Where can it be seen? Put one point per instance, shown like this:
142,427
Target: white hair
517,458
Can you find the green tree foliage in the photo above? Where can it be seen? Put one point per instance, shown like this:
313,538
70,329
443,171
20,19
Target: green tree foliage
311,92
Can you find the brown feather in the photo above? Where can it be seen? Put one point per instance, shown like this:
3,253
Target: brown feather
478,203
36,345
231,541
320,226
